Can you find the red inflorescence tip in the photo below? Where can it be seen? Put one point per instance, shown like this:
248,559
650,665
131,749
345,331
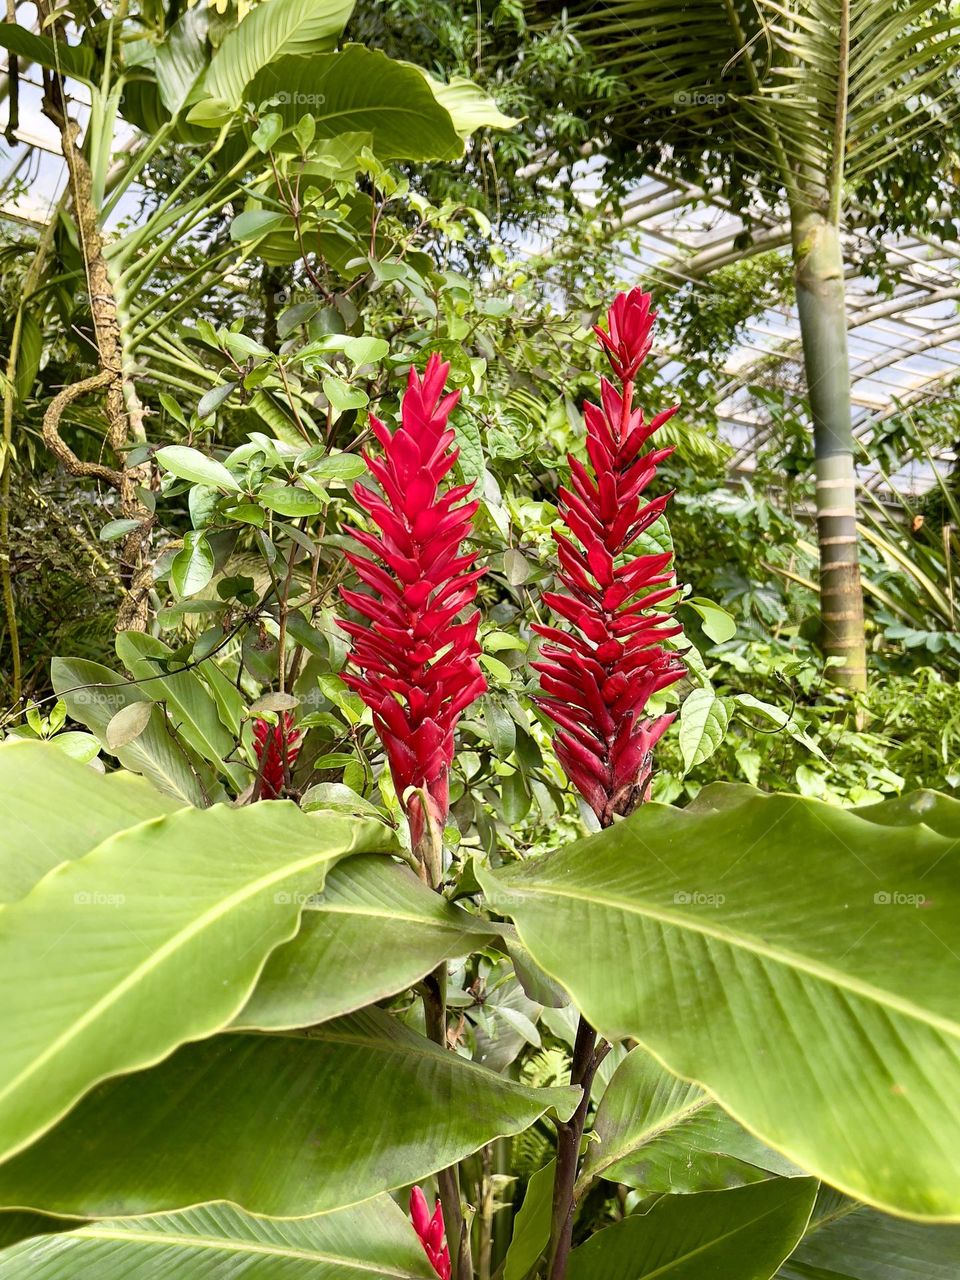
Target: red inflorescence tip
598,673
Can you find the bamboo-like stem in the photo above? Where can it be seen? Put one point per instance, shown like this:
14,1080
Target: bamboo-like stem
818,263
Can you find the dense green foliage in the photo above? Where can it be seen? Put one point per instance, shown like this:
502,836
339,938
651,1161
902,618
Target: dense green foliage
230,1017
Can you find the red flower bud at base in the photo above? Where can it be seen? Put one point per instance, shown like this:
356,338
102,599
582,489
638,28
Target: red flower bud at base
274,743
429,1228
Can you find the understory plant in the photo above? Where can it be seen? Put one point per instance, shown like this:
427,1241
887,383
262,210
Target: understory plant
257,1015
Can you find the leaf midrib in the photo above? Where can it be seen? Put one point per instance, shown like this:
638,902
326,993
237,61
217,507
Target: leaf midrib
778,955
163,953
233,1246
670,1121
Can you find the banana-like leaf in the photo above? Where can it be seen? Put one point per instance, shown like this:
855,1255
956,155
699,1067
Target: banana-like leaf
36,835
666,1135
744,1234
932,808
280,1124
797,960
93,694
270,31
360,90
193,709
376,930
16,1225
848,1241
371,1241
156,936
71,59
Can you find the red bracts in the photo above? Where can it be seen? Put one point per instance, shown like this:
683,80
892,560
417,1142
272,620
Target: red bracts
430,1230
413,662
598,674
274,743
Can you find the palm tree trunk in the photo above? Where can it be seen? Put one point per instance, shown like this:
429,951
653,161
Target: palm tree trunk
818,263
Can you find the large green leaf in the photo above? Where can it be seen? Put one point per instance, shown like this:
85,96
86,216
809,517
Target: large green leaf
93,695
742,1234
847,1241
666,1135
193,709
361,90
280,1124
271,30
38,834
372,1241
155,937
798,961
469,107
376,930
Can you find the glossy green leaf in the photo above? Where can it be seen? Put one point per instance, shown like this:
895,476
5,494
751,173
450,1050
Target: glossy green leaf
37,834
848,1241
361,90
193,565
799,961
660,1134
371,1241
99,956
703,724
94,694
287,500
373,931
280,1124
742,1234
191,464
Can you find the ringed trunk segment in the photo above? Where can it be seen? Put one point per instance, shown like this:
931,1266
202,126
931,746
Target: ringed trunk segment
818,263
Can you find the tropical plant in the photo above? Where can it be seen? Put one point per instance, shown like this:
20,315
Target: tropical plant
235,1028
823,115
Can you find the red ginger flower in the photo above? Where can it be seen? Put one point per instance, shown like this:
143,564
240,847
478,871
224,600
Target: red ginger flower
598,676
416,666
430,1230
274,743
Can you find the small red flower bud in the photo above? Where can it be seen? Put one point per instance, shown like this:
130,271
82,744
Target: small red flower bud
274,744
598,676
430,1231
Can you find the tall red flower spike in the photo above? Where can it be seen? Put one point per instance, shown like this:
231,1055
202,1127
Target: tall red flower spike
414,664
276,742
430,1230
597,676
